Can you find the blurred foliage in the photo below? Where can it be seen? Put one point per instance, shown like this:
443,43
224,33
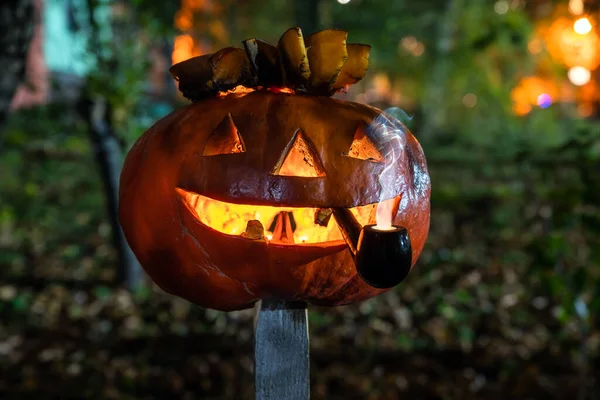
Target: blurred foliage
504,301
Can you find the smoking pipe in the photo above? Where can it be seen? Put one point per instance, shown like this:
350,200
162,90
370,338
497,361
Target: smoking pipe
382,257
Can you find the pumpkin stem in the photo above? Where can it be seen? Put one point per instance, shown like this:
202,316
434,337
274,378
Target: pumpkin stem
318,65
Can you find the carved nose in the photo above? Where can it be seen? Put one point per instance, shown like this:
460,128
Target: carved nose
299,158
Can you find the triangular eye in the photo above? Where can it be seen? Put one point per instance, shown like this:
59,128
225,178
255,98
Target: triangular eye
362,147
300,158
225,139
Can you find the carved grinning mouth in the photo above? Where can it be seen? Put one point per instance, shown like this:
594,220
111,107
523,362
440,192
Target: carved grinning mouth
280,225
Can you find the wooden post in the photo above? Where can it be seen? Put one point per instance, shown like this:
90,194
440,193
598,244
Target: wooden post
281,351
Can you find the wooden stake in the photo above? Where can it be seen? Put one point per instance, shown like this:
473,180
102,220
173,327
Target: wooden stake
281,351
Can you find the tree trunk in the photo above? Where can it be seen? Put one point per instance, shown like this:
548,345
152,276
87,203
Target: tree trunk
97,111
16,31
107,152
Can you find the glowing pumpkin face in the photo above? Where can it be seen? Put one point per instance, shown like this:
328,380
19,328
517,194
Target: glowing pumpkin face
225,201
230,200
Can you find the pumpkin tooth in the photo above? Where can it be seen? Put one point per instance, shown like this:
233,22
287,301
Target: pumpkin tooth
322,216
289,232
283,231
254,230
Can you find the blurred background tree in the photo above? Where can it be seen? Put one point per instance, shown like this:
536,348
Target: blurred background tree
505,299
16,31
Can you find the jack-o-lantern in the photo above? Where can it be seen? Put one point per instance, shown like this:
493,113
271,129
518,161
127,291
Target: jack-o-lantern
260,188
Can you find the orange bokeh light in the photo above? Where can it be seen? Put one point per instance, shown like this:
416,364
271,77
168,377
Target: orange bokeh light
192,41
527,93
571,48
184,48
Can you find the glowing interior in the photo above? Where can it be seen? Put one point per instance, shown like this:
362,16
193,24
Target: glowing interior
241,91
300,159
362,147
232,219
225,139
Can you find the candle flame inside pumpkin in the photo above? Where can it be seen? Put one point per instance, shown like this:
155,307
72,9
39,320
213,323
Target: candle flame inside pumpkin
232,219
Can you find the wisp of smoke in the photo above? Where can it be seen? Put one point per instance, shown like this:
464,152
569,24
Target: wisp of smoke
390,136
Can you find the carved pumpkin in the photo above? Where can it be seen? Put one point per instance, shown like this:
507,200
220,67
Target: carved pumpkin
228,200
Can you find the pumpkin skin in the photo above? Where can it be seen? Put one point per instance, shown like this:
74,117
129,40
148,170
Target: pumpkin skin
187,258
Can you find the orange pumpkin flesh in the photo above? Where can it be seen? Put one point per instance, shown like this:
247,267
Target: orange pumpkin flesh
193,182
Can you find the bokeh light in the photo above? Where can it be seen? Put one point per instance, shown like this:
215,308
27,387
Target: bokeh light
582,26
576,7
533,91
469,100
501,7
544,100
412,45
184,48
570,48
343,1
579,76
